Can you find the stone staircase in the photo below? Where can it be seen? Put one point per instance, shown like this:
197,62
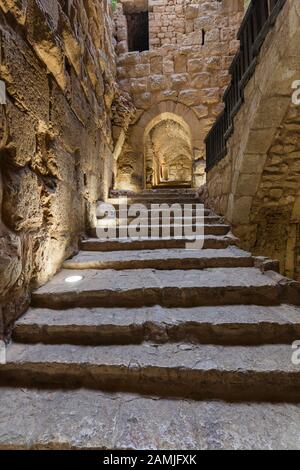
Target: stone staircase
144,344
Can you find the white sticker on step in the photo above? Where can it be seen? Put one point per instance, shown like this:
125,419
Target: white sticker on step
296,353
2,352
2,92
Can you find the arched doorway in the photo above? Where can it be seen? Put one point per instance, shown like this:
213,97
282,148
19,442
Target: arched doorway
168,152
164,147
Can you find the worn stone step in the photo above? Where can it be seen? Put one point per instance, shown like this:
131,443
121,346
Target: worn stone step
152,212
170,189
157,195
232,324
148,193
148,287
147,202
172,184
180,369
161,259
180,193
82,420
156,199
171,229
207,220
210,242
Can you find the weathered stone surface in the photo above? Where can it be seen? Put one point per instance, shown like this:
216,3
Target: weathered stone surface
228,325
65,131
256,185
164,259
16,7
149,287
181,369
187,62
82,419
58,66
191,12
130,331
211,242
11,264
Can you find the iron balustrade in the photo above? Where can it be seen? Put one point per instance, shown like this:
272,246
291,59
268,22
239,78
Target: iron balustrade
258,20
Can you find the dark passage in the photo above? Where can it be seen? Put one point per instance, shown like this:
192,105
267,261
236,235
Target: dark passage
138,31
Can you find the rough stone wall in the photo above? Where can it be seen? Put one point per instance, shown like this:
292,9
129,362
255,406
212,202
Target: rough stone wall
168,21
190,22
58,65
182,22
275,210
121,29
256,186
189,77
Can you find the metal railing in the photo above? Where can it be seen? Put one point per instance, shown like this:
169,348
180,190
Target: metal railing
259,19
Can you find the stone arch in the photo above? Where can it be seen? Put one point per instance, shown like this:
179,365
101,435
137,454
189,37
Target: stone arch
163,111
256,186
168,152
130,167
179,110
275,208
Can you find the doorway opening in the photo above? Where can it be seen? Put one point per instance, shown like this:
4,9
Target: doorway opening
168,153
138,31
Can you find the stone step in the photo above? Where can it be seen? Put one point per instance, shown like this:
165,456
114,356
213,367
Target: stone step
147,201
166,211
91,419
207,220
170,189
161,259
228,325
156,195
180,192
178,369
170,229
148,193
163,197
178,185
148,287
210,242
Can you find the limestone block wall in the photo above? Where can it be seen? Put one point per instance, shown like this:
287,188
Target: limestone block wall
182,22
121,29
58,65
188,22
256,186
167,22
189,75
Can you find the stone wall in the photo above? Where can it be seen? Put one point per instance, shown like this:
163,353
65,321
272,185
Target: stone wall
186,79
58,66
168,21
256,186
181,22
